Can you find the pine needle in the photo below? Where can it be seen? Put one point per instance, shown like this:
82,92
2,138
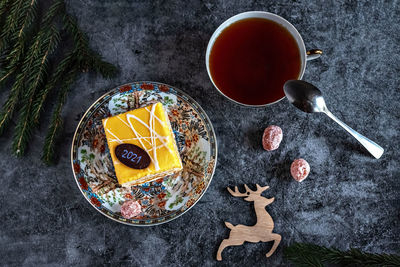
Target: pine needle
48,40
5,6
55,79
56,121
13,58
54,10
15,92
17,51
9,106
96,63
16,16
28,18
312,255
5,74
26,49
87,58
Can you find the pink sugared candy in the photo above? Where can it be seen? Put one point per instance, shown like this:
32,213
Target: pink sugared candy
300,169
272,137
130,209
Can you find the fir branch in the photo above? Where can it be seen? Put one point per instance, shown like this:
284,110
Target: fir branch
86,57
17,8
55,79
24,54
17,88
60,71
80,40
28,18
6,73
14,56
56,121
96,63
12,18
5,6
17,52
9,106
16,16
313,255
48,39
53,11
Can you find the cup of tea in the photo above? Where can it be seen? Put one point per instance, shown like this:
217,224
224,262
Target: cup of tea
251,55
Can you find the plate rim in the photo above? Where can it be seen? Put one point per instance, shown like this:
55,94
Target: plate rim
96,102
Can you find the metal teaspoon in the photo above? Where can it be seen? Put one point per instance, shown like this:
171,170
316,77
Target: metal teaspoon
308,98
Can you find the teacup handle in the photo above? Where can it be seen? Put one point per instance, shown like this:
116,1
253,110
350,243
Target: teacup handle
313,54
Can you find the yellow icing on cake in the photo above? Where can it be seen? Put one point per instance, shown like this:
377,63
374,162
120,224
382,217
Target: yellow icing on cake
150,129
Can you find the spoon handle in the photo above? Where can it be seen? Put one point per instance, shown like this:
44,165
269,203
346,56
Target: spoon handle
373,148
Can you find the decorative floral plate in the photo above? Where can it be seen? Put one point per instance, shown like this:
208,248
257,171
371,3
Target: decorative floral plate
164,199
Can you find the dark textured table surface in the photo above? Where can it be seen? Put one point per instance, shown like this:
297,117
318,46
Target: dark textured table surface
349,200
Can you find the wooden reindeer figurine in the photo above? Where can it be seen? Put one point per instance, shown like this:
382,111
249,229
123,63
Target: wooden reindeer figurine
261,231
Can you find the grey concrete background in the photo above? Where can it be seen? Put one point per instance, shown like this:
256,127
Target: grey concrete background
349,199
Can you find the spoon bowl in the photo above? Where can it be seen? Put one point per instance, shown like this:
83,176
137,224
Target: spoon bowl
308,98
304,96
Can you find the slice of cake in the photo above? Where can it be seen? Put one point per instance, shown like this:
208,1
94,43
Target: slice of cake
147,131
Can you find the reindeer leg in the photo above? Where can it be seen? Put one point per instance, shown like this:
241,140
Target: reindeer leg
227,243
223,245
277,239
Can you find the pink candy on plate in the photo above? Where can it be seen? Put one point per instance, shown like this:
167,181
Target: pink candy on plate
300,169
130,209
272,137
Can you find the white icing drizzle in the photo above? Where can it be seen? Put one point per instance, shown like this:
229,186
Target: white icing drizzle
137,134
151,140
160,121
153,134
105,124
144,138
119,141
127,139
145,125
160,137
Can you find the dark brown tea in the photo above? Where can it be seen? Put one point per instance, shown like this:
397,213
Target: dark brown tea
252,59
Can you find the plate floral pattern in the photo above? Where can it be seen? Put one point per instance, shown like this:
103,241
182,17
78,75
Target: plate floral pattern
161,200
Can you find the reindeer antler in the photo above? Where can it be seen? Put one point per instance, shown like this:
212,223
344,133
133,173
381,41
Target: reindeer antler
237,193
261,189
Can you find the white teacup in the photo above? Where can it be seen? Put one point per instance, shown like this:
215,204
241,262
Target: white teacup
305,55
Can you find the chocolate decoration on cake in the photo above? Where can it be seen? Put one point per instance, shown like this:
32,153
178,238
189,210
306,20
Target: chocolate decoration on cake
132,156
